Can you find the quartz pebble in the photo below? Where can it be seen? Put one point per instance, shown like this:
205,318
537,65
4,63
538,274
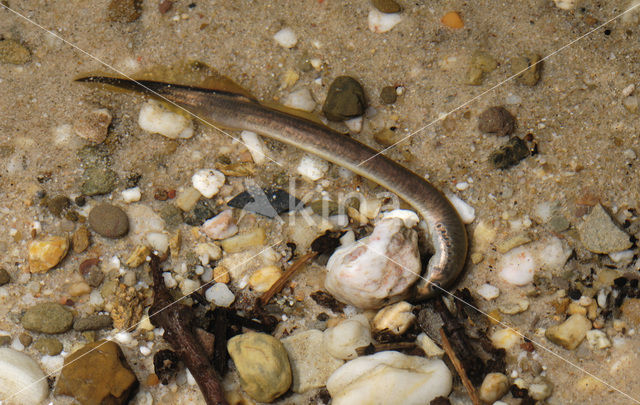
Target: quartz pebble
467,213
597,339
264,278
311,363
488,292
505,338
312,168
254,143
157,119
262,363
220,295
187,199
109,221
131,195
222,226
208,182
238,243
570,333
343,339
390,378
94,125
97,373
380,22
300,99
566,4
394,318
286,38
22,379
600,234
409,217
494,386
430,348
518,265
374,271
45,254
208,252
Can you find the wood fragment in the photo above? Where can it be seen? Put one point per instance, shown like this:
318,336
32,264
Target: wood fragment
286,276
398,346
473,394
177,322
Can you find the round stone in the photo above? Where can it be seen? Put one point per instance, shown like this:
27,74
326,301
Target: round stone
48,317
109,221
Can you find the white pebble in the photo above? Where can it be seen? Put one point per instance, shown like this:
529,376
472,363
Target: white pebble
380,22
286,38
220,295
409,217
622,257
518,266
131,194
158,241
145,351
221,226
207,252
169,281
627,91
123,337
488,292
312,168
190,380
463,185
629,154
354,124
394,318
155,118
23,382
188,286
343,339
467,213
430,348
255,145
565,4
207,276
300,99
208,182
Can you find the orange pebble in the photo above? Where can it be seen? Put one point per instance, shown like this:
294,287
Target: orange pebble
452,20
152,380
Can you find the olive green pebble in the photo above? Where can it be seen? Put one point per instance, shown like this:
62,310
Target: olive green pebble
510,154
14,52
48,317
388,95
4,276
92,322
5,340
531,75
386,6
481,63
386,137
57,205
345,99
171,215
98,181
124,11
25,339
109,221
48,346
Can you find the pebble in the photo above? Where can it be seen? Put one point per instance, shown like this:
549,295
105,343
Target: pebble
255,145
220,275
156,119
238,243
138,256
494,386
199,214
570,333
600,234
92,322
408,217
631,103
45,254
623,257
481,63
518,265
311,363
131,194
394,318
94,125
497,120
78,289
312,168
91,273
5,340
566,4
220,295
466,212
488,292
386,137
286,38
208,182
597,339
261,280
354,125
386,6
510,154
531,75
540,390
158,241
388,95
262,364
374,271
22,378
25,339
98,181
124,11
505,338
343,339
452,20
630,309
208,252
48,346
380,22
300,99
430,348
188,199
390,378
97,373
48,317
80,239
518,306
222,226
345,99
109,221
14,52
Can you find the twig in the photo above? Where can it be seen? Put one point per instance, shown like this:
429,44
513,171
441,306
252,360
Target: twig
459,368
286,276
375,348
176,320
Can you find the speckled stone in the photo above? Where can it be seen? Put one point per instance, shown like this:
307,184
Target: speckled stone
92,322
48,317
600,234
48,346
14,52
529,77
124,11
345,99
496,120
388,95
98,181
109,221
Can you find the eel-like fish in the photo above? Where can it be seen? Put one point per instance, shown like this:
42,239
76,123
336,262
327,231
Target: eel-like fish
235,110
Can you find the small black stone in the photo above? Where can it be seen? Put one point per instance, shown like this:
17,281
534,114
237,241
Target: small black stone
620,281
80,200
574,294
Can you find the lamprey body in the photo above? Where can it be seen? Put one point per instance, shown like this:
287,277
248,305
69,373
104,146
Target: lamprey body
236,111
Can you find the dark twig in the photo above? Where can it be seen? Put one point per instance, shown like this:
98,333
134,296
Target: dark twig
459,368
399,346
177,322
286,276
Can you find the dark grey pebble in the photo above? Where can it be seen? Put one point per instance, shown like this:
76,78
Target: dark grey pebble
109,221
